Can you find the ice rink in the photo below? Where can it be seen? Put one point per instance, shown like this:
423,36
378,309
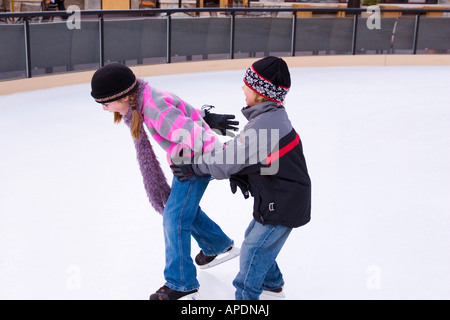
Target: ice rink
75,222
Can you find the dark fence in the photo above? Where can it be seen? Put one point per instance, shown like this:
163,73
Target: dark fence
29,47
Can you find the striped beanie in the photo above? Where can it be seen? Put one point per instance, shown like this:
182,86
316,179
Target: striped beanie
270,78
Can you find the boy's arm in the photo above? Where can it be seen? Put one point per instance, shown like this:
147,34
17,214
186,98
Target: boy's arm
238,154
222,163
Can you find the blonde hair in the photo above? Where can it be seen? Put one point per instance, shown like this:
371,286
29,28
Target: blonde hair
260,99
136,116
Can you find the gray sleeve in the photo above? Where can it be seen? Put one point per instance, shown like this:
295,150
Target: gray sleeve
222,163
250,147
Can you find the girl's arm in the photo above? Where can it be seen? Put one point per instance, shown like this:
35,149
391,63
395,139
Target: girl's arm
176,121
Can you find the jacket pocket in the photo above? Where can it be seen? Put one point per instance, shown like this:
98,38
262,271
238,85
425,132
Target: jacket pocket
281,201
266,200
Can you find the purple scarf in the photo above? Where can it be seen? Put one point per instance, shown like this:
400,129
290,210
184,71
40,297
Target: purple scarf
155,182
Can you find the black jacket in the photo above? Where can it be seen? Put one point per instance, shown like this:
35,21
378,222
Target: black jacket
269,154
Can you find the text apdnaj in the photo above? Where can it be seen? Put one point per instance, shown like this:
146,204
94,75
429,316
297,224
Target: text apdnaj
231,309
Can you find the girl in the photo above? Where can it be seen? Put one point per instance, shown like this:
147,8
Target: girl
274,172
179,129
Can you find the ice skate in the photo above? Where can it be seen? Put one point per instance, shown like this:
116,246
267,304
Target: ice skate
278,293
204,262
165,293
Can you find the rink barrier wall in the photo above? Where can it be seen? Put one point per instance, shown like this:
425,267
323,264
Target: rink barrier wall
73,78
164,36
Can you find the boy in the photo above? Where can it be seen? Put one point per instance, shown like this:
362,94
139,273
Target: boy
267,160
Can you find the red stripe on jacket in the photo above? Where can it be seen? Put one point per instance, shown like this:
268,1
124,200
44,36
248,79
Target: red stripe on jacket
277,155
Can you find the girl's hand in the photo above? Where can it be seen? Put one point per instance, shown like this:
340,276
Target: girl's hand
221,122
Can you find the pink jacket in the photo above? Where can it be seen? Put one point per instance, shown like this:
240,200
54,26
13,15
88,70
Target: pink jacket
176,125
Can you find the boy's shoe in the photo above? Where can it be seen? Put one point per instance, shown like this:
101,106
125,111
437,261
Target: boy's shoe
165,293
204,262
275,293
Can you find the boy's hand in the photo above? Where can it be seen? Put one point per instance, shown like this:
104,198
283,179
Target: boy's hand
183,171
221,122
242,183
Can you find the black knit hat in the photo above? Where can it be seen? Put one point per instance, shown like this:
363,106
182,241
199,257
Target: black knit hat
112,82
270,78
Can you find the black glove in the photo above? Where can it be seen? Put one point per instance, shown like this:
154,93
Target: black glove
242,183
183,171
221,122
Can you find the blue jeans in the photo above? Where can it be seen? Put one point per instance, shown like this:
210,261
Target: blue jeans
182,218
258,268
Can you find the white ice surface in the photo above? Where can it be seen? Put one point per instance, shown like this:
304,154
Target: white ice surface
75,222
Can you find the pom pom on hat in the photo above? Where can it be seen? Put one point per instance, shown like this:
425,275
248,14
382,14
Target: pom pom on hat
270,78
112,82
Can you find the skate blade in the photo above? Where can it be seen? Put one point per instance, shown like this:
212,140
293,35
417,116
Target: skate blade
279,295
192,296
221,258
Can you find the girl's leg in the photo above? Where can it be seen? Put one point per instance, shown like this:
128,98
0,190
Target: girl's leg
179,214
210,237
261,246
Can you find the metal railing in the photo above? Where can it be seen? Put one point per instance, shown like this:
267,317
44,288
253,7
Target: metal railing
99,15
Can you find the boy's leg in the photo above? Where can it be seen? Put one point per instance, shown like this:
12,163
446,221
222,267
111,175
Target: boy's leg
274,278
261,246
179,214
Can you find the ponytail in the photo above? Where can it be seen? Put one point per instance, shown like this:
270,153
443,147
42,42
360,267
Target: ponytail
136,116
137,119
117,117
